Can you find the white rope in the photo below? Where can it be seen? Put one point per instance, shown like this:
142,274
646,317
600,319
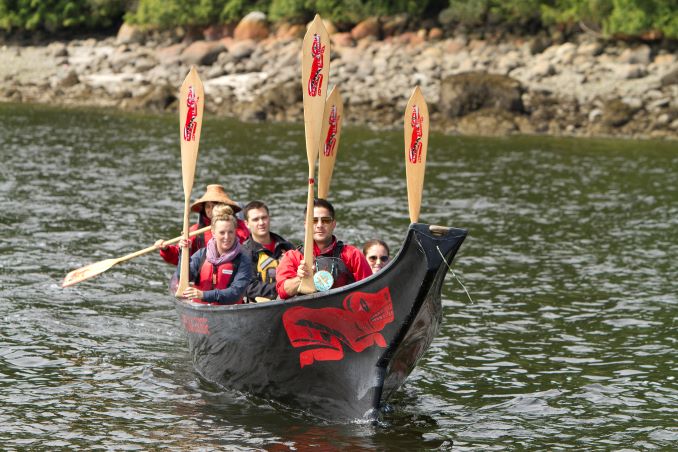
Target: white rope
454,274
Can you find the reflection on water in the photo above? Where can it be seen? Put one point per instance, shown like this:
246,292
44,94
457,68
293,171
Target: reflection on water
569,341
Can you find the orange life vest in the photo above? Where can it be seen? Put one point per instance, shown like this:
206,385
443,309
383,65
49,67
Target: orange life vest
214,277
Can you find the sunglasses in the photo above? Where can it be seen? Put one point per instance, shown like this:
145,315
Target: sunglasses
374,258
323,220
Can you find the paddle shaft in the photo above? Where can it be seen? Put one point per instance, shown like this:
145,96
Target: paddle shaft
166,242
92,270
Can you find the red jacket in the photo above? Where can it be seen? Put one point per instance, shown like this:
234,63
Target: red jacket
353,258
171,254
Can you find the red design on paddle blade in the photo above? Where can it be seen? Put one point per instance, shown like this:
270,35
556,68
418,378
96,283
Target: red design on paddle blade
321,332
417,134
191,115
315,79
331,139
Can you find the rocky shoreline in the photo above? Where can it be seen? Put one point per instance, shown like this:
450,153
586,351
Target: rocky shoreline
584,87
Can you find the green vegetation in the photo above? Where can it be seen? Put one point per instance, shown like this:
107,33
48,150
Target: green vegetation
612,17
57,15
608,17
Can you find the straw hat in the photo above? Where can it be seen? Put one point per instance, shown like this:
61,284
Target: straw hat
215,193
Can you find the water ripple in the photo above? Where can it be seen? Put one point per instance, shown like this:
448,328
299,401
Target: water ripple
568,343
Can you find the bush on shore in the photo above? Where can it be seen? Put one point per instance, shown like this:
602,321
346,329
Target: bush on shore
610,18
58,15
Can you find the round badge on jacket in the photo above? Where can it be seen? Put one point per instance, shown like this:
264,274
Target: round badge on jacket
323,280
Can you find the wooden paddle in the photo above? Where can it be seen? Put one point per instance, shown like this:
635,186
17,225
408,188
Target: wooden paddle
91,270
329,146
315,68
416,143
191,103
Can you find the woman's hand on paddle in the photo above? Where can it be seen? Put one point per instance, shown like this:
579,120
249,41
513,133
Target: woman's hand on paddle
192,292
183,243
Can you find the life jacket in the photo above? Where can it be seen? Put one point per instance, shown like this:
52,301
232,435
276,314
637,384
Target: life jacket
333,264
266,266
213,277
199,241
264,258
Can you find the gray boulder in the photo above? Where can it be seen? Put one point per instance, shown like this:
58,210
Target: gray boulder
670,78
130,34
202,52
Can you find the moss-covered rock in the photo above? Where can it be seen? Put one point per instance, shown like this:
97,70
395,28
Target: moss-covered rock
617,113
465,93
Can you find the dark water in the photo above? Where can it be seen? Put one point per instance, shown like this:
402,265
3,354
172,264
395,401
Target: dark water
569,343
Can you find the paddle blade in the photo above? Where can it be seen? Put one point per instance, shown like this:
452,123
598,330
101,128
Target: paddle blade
191,105
416,123
329,146
87,272
315,68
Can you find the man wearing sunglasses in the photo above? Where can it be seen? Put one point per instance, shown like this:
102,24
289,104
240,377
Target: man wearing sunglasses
344,262
266,248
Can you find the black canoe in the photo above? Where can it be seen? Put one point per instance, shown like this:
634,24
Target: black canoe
338,355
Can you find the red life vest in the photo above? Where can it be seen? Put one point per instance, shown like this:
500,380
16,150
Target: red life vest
214,277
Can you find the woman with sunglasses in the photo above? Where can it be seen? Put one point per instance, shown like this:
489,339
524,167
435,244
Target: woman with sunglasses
377,254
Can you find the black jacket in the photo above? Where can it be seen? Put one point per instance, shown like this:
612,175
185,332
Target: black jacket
263,283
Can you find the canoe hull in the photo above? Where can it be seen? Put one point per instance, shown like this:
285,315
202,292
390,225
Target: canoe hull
339,354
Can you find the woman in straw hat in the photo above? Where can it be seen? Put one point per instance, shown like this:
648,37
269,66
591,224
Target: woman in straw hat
214,195
220,271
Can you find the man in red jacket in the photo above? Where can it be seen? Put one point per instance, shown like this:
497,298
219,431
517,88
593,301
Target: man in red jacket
345,263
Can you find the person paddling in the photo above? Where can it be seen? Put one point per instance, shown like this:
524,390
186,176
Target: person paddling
214,195
265,248
345,263
220,271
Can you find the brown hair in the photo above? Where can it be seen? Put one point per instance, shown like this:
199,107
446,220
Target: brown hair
254,205
370,243
322,202
223,212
